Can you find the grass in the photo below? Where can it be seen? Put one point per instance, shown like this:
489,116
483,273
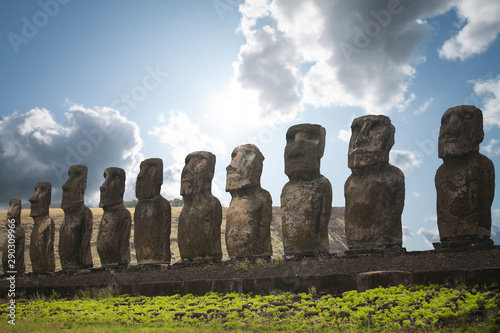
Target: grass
403,309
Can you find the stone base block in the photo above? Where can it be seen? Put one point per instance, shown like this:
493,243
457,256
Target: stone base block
464,243
453,278
383,279
381,251
300,256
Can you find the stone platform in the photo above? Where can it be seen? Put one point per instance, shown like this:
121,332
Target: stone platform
332,275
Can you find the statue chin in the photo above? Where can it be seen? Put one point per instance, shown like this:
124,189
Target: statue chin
234,184
365,158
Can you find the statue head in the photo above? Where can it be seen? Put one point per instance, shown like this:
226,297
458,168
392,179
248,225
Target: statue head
198,173
149,179
305,145
113,187
14,211
74,188
245,168
372,138
40,202
461,131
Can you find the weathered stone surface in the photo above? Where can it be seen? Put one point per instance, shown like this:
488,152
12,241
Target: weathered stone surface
248,221
14,219
465,182
42,235
152,216
375,191
306,200
113,238
201,217
76,230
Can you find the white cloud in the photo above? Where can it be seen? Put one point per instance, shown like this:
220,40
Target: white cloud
41,126
481,28
422,108
492,148
407,233
344,135
496,212
430,236
404,159
183,137
490,90
416,194
35,148
495,234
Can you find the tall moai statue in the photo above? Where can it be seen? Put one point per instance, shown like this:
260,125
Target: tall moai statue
42,235
248,221
465,182
13,247
375,191
306,200
76,230
199,234
113,238
152,217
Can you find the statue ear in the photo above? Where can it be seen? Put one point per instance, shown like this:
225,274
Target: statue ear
322,140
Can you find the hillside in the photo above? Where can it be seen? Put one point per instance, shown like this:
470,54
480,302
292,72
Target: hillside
336,233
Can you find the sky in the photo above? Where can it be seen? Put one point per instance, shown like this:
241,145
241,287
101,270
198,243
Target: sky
111,83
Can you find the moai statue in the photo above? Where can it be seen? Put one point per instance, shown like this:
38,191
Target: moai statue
42,235
113,238
76,230
13,248
375,191
465,182
152,217
201,217
306,200
248,222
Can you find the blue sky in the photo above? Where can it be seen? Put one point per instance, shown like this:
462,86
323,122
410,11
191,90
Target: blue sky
112,83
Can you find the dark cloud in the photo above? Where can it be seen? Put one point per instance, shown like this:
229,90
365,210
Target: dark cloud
349,53
35,148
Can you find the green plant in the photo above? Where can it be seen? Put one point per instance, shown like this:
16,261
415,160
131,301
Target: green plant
243,265
279,261
55,295
260,262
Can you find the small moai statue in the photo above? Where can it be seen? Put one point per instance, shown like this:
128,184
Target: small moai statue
13,247
306,200
465,182
152,217
248,221
42,236
200,220
375,191
113,238
76,230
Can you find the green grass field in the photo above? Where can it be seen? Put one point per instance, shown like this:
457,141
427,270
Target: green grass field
405,309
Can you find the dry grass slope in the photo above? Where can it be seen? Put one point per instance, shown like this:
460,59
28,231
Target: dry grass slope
336,228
